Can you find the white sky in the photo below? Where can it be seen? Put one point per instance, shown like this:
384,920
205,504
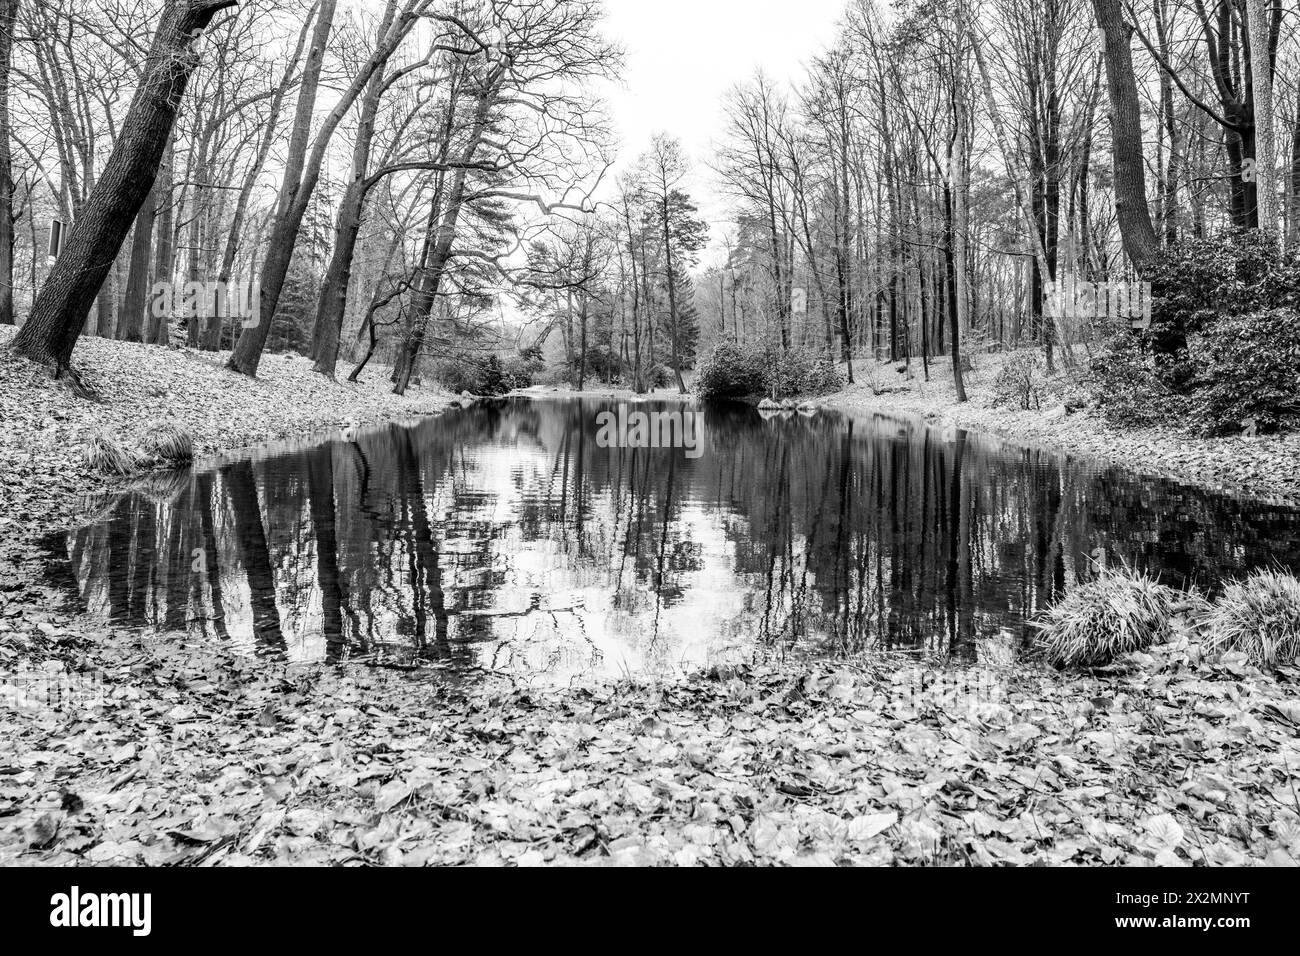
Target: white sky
684,55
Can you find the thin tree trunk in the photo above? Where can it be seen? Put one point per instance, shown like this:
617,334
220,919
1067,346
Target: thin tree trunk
159,321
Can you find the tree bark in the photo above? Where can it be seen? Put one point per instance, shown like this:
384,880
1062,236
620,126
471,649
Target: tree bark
131,315
1261,78
1136,230
8,17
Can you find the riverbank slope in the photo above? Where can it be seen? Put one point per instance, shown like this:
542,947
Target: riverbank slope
1266,467
43,474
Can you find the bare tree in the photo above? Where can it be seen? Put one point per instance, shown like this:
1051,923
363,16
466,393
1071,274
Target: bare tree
59,313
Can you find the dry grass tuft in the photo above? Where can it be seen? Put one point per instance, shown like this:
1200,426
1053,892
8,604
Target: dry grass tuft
106,455
1119,611
167,442
1260,617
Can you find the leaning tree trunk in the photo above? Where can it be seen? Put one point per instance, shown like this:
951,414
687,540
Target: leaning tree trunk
332,306
284,232
259,160
8,17
1135,227
60,311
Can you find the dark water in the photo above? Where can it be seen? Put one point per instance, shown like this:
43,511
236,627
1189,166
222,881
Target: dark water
506,537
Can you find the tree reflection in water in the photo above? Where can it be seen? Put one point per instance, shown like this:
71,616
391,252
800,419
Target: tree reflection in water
504,536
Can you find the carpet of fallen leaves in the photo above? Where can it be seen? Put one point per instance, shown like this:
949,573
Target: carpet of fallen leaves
195,758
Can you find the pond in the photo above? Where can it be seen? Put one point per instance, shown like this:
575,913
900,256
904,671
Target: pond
515,535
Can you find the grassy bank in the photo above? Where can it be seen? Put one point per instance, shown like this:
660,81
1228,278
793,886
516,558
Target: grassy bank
1263,467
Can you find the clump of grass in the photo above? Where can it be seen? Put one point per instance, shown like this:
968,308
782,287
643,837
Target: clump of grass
168,442
1259,616
105,454
1119,611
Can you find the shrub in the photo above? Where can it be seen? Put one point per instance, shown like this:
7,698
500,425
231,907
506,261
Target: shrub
1252,373
489,376
1124,385
735,370
167,442
106,455
457,377
1260,617
1223,349
519,371
801,371
732,371
660,375
1019,383
1119,611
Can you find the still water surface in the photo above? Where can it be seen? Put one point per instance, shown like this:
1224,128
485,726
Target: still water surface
504,536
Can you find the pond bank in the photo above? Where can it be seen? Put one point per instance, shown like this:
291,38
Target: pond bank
43,477
1265,468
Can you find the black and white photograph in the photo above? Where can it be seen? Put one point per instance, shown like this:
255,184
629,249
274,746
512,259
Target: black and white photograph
651,434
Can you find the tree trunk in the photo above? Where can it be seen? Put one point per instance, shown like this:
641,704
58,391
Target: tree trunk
300,181
295,192
131,317
159,321
1135,227
1261,75
8,16
333,301
60,311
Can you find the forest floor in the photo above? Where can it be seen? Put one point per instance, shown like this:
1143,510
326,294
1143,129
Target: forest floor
1265,467
125,747
177,754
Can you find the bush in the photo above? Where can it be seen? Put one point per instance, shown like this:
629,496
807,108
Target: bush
801,371
1126,388
660,376
732,371
457,377
490,376
1252,373
1117,612
167,442
1019,383
1223,349
1260,617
